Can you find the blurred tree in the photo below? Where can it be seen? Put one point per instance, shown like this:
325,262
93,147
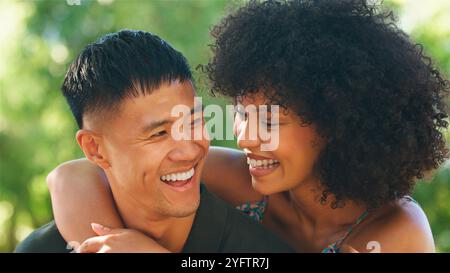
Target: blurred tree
40,38
36,127
428,24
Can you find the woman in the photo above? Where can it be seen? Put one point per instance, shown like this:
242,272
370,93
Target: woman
362,109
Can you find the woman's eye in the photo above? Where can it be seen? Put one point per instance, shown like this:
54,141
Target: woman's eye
197,122
240,112
268,124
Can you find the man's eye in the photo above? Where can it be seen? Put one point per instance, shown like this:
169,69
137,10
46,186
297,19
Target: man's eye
159,134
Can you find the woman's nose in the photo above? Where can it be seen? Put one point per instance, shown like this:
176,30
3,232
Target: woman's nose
247,135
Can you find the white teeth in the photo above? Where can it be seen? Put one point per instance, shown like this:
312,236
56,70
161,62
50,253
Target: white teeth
178,176
264,164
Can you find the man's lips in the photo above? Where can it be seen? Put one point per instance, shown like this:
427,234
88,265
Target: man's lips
181,170
180,183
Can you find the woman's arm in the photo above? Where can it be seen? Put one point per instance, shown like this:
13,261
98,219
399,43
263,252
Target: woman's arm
80,191
119,241
80,196
226,174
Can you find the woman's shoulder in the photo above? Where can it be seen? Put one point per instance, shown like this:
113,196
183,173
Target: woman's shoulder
401,226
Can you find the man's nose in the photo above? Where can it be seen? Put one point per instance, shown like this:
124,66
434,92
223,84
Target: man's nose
247,135
185,150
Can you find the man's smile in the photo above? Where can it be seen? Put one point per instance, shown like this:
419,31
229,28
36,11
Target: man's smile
180,180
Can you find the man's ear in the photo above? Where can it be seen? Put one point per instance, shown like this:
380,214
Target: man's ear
89,142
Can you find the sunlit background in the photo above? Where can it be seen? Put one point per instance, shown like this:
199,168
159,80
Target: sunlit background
38,39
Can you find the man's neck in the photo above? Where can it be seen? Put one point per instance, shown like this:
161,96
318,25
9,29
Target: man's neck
169,232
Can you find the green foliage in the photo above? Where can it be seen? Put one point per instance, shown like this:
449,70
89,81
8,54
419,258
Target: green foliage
37,130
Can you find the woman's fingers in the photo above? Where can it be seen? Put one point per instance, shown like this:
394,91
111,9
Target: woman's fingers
100,230
92,245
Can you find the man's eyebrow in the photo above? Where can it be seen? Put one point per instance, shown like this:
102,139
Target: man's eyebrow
158,123
155,124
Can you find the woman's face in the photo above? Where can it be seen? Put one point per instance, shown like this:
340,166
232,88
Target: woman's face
287,166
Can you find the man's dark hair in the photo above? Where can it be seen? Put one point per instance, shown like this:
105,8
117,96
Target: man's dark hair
345,67
120,65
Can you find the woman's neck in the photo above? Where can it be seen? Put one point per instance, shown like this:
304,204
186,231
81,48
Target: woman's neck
306,201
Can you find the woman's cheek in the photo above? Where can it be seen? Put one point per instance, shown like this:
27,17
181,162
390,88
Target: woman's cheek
237,126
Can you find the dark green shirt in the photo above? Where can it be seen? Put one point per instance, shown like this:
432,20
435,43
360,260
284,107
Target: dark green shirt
217,228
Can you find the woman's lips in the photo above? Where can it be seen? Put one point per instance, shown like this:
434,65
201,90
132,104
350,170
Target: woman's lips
262,166
257,157
259,171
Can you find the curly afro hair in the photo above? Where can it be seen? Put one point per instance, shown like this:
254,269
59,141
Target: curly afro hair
345,67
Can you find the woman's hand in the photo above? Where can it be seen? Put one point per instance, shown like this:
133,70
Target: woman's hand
119,241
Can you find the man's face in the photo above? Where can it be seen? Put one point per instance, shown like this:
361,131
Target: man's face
143,156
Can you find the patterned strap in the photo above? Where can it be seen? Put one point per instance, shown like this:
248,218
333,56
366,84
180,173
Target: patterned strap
255,209
334,248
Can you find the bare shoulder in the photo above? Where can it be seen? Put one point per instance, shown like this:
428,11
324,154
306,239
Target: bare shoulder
226,175
74,171
81,164
399,227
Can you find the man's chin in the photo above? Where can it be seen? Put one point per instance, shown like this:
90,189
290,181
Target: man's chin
182,208
182,203
181,212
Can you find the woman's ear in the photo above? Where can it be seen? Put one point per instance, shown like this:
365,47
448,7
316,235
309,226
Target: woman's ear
90,143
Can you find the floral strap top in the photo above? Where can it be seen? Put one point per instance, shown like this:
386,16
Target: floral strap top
255,209
335,247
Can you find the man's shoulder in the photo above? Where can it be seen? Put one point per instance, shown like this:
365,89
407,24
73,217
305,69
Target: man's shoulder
246,233
241,233
46,239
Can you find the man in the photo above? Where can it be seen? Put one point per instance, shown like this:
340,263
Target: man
121,91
